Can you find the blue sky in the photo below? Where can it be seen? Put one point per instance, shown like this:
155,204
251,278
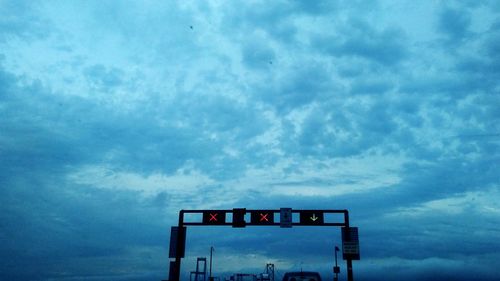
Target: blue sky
114,115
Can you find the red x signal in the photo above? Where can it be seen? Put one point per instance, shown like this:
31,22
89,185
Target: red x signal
263,217
213,217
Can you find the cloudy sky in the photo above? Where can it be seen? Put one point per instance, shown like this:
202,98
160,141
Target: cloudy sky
114,115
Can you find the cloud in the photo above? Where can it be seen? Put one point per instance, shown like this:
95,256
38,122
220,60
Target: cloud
273,19
299,87
386,47
454,23
102,79
316,7
114,117
21,19
257,55
51,229
371,87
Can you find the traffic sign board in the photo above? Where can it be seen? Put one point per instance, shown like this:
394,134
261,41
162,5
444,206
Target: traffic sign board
350,234
262,217
214,217
311,218
350,243
286,217
350,248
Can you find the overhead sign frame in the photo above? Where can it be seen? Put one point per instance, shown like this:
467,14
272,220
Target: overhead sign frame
218,217
258,218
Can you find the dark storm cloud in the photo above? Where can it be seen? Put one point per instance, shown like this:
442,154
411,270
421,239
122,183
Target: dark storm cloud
73,130
257,55
371,87
222,115
69,130
424,183
45,223
302,85
454,23
21,19
481,69
103,79
26,145
276,18
51,228
359,39
335,129
314,7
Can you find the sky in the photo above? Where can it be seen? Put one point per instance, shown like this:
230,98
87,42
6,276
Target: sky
115,115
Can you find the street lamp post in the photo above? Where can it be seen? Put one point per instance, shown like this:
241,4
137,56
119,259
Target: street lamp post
336,269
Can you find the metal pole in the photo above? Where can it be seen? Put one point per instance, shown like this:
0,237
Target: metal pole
210,274
336,256
336,278
350,276
178,255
